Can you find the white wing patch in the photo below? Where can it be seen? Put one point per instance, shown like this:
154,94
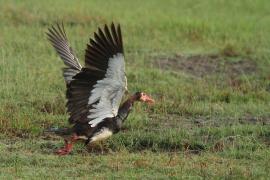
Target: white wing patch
108,91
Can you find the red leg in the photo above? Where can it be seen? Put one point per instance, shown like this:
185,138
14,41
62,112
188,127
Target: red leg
68,146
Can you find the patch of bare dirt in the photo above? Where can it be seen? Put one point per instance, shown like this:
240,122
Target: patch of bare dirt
255,120
175,121
203,65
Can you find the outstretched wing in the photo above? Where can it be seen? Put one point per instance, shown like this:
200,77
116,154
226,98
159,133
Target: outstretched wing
96,92
108,92
57,37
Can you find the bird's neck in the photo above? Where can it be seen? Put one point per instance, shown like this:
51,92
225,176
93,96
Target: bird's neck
124,110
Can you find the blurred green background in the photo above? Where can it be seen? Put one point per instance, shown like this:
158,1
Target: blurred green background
206,63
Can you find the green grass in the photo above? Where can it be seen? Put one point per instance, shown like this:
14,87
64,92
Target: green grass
213,126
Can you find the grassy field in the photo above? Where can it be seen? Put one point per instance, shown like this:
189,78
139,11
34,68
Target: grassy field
206,63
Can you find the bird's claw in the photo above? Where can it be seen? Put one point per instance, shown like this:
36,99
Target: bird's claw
63,151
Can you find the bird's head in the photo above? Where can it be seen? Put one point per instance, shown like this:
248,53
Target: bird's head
141,96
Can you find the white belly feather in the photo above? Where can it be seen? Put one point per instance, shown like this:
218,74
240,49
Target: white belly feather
103,134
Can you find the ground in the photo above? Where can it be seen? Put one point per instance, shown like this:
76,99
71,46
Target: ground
206,63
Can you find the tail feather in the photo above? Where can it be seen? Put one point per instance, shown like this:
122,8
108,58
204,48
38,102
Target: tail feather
59,131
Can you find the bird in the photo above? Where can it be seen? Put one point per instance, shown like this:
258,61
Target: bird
94,92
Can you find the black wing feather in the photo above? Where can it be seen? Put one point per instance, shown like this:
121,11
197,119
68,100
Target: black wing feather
100,49
58,38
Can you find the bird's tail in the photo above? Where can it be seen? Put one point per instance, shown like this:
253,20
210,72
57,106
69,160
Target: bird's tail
59,131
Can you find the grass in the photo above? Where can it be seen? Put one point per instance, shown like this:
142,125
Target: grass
205,62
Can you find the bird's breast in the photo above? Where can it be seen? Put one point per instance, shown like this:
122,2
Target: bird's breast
103,134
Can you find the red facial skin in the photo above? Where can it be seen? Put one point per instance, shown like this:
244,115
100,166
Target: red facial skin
145,98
